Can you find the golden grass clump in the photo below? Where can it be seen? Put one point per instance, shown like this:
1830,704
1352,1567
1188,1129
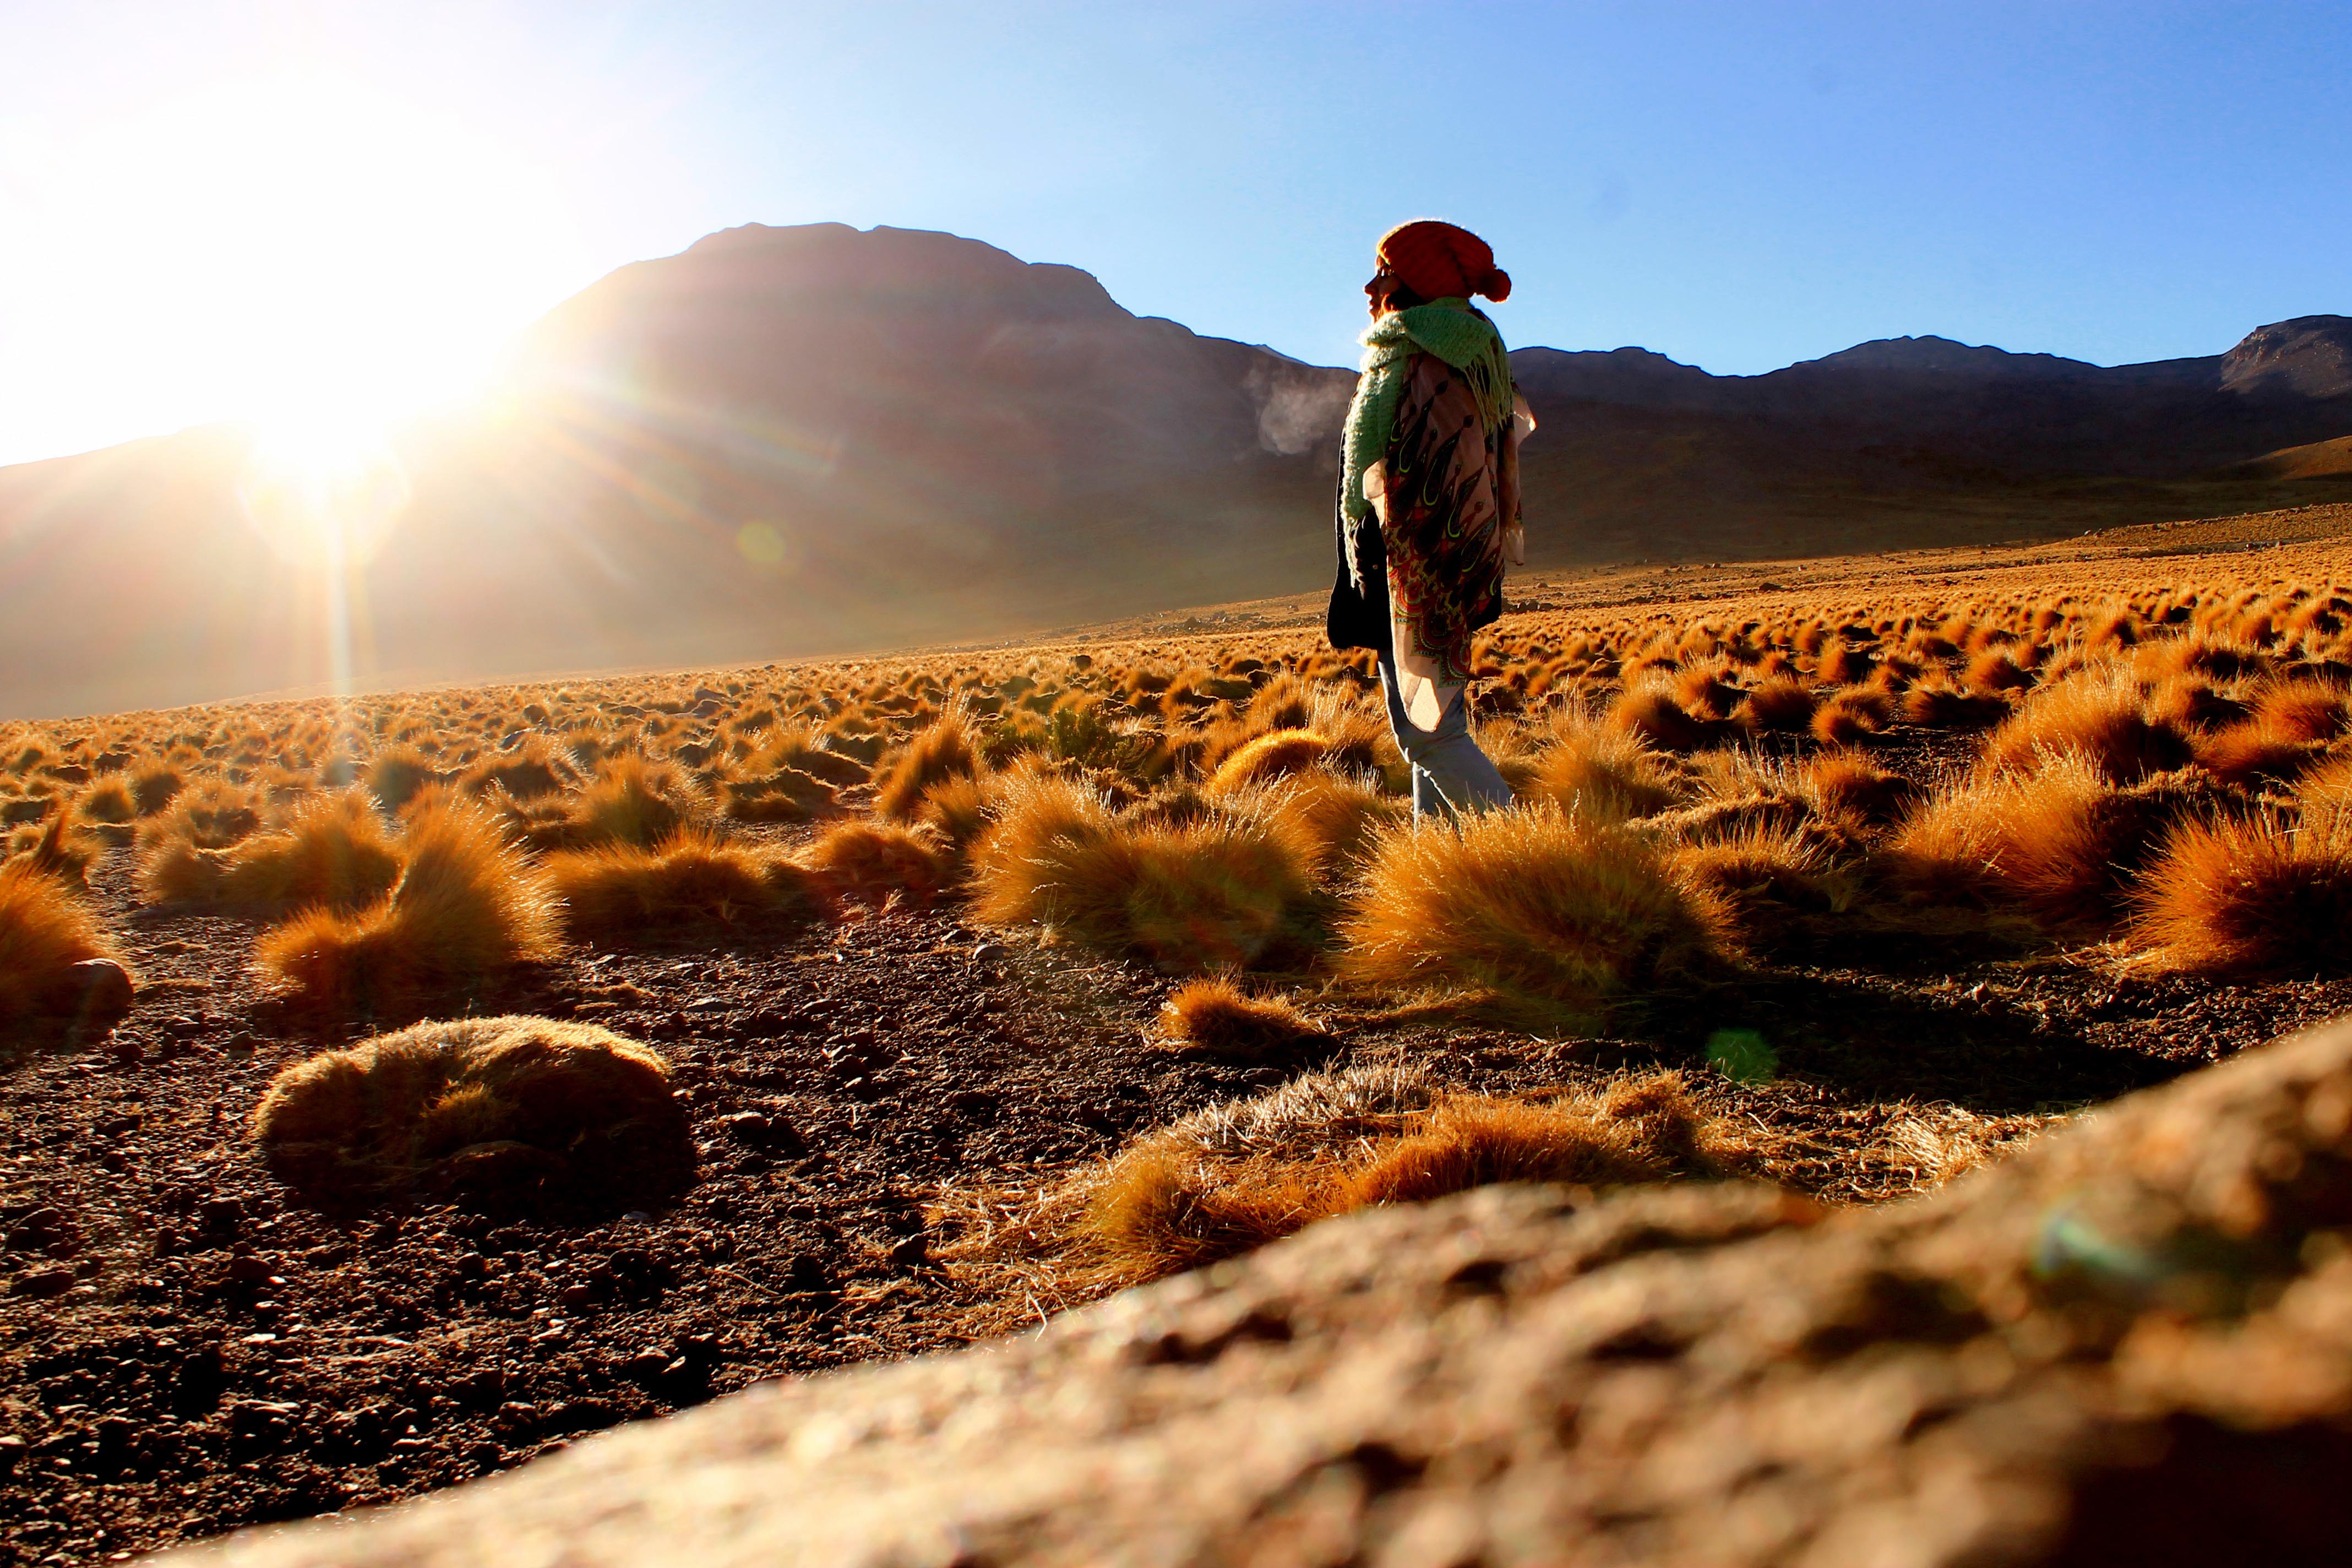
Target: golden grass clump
631,800
1608,774
2103,720
45,930
511,1108
1329,819
1198,894
1547,912
1772,886
1851,716
1238,1175
1650,713
1216,1017
1277,753
2247,896
1849,790
781,794
333,852
468,906
872,862
1778,704
617,890
946,750
535,766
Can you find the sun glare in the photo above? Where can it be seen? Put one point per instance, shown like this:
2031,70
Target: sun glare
312,255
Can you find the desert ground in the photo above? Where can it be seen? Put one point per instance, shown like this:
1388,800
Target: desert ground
749,1021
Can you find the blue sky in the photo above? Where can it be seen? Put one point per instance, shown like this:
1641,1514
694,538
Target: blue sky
1739,185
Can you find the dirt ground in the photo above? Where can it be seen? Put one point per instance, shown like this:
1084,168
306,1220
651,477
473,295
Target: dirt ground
185,1349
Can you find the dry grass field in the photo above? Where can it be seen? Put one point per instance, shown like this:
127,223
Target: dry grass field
502,1063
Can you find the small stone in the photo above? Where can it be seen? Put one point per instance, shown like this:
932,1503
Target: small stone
12,1452
746,1126
102,988
991,953
575,1296
42,1284
221,1215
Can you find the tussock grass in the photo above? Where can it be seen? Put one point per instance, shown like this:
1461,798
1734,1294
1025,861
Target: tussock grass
615,892
53,849
504,1109
533,767
468,906
1853,716
1192,895
1245,1173
1608,774
1274,754
2256,895
1653,714
45,930
1548,913
631,800
333,852
2106,721
946,750
782,795
1772,890
872,862
1216,1017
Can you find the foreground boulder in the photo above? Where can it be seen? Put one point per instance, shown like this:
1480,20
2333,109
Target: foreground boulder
2132,1344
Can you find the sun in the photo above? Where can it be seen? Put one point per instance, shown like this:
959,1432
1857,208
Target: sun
325,488
311,254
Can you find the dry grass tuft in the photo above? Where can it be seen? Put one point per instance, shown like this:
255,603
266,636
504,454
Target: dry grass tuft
1547,912
2105,720
618,890
1238,1175
45,930
1191,895
1650,713
506,1110
468,906
631,800
782,795
1217,1018
1851,716
872,862
1774,887
1778,704
1275,754
1849,790
333,852
2248,896
1608,774
946,750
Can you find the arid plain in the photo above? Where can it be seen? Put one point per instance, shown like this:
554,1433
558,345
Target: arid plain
778,1017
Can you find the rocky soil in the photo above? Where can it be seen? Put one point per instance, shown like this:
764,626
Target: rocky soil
185,1349
2130,1343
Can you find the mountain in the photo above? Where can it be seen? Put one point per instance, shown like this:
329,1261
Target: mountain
787,441
781,441
1911,441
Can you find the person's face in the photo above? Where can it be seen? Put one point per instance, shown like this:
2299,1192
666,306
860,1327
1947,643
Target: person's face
1376,294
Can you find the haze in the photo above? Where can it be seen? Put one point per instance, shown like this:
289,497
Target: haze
316,216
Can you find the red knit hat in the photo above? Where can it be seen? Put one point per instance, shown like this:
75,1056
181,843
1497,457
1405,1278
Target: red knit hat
1438,261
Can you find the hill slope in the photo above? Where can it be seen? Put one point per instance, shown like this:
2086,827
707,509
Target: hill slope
791,440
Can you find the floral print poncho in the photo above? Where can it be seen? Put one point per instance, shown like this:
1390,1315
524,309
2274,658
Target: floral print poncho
1448,497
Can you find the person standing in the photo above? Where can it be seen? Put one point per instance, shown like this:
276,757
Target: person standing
1428,510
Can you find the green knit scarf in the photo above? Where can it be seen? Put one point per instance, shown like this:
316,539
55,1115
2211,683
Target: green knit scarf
1447,328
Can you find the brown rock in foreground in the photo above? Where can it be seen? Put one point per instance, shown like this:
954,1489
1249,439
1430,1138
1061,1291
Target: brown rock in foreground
2132,1344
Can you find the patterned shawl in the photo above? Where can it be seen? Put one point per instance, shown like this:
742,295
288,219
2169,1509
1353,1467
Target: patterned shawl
1453,331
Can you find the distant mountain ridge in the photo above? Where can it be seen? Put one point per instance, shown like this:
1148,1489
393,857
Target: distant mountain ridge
791,440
